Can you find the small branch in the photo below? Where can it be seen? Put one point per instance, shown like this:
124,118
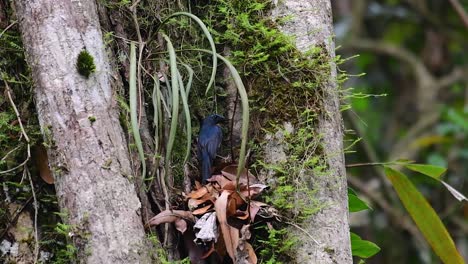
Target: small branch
303,230
36,209
365,164
8,91
358,10
26,172
457,74
7,28
403,148
16,111
418,67
460,11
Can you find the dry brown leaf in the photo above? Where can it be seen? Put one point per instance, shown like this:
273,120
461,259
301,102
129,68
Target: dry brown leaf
254,208
230,234
200,192
230,172
194,251
252,256
230,186
239,201
231,206
221,180
209,252
253,190
194,203
42,164
202,210
245,253
242,215
181,225
169,216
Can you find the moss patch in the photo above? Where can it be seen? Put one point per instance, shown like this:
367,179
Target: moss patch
85,64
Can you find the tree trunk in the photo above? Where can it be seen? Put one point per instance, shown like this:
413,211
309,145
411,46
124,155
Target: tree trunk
311,24
79,120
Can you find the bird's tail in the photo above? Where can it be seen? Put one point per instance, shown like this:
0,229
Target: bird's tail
206,166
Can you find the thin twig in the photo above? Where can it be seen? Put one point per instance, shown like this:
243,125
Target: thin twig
8,91
9,152
36,209
303,230
16,111
26,172
15,217
365,164
8,27
460,11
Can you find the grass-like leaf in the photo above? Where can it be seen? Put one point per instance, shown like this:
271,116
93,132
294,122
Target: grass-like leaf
175,100
190,79
207,34
134,108
188,121
157,117
425,217
245,111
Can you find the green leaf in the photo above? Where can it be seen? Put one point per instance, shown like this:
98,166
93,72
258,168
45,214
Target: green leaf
363,248
429,170
133,96
458,118
425,217
356,204
351,191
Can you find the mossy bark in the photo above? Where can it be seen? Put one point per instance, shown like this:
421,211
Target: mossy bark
311,25
97,196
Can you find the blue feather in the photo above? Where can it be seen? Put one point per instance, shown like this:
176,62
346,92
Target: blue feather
209,141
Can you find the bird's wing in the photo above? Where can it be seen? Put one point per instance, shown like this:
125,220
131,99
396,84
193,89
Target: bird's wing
215,141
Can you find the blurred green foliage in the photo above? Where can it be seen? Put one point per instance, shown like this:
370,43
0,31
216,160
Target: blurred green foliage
396,126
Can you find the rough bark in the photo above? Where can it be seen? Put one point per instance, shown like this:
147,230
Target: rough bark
311,24
89,158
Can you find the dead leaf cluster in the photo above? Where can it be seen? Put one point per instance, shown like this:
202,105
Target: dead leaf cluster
220,215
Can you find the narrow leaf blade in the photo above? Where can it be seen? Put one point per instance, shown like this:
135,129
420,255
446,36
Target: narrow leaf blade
429,170
425,217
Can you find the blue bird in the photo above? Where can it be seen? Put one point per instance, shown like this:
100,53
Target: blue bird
209,140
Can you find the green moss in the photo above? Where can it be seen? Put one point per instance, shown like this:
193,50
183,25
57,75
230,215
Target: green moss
85,63
269,60
284,85
92,119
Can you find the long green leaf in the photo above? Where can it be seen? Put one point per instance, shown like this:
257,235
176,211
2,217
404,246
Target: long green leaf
425,217
245,111
207,35
175,101
190,80
429,170
156,97
188,121
133,109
